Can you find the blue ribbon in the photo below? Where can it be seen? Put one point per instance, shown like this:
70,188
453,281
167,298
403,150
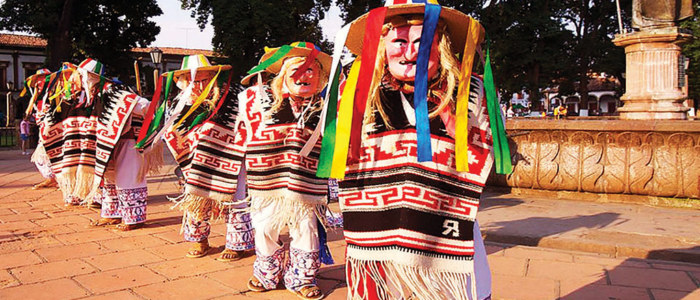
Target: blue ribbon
420,97
324,253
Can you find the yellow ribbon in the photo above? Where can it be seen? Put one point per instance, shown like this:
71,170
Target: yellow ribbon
342,135
203,96
462,115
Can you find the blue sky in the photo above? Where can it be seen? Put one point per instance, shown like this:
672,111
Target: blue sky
178,29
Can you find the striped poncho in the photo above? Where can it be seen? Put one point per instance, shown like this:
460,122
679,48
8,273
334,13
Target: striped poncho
409,225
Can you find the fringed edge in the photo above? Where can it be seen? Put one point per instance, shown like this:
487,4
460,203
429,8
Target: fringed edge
290,212
392,279
39,156
84,178
153,159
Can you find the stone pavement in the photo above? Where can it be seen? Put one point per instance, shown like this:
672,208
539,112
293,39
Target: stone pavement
47,251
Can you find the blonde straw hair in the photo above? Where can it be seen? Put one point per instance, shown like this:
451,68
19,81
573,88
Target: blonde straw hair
449,74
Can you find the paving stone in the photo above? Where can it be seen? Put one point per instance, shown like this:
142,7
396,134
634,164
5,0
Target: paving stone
610,263
173,236
7,280
507,265
148,229
676,266
86,236
134,242
122,259
185,289
186,267
119,279
17,225
537,254
28,244
23,217
18,259
516,287
51,270
234,278
119,295
674,295
57,221
63,288
71,251
564,270
651,278
597,291
170,251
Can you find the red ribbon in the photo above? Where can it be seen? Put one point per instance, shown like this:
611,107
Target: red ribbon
151,111
373,31
309,60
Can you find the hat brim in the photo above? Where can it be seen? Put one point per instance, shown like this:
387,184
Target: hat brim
456,26
177,73
246,80
275,68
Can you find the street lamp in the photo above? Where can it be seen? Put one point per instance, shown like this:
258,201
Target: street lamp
8,102
156,58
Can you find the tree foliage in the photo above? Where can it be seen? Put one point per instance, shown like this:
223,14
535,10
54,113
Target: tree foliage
102,29
243,28
692,51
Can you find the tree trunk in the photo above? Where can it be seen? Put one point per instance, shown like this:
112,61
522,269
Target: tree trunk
60,44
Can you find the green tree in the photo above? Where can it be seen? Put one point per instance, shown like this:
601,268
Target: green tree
102,29
692,51
242,28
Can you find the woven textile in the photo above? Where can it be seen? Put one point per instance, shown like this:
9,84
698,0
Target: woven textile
301,269
403,218
268,269
110,202
239,231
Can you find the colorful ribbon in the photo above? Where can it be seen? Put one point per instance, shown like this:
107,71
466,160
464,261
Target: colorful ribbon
307,63
420,97
345,114
498,132
373,31
281,52
462,114
203,96
150,113
327,144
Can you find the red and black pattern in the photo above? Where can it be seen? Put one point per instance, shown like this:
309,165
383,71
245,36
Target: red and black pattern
397,209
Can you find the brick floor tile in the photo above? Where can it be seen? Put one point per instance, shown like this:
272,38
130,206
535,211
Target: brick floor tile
328,286
171,251
86,236
507,265
609,262
28,244
17,225
234,278
336,272
119,279
537,254
651,278
564,271
18,259
71,251
676,266
597,291
674,295
63,288
119,295
340,293
492,250
134,242
52,270
173,236
122,259
148,229
185,267
7,280
185,289
515,287
23,217
6,211
56,221
230,296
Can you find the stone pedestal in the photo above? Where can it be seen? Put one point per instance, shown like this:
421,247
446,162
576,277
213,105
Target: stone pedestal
652,90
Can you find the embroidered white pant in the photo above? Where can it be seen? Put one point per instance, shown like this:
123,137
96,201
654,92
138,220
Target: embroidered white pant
125,193
239,230
303,263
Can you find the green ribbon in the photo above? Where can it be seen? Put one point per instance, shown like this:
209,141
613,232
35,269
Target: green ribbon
281,52
155,123
199,119
325,161
498,132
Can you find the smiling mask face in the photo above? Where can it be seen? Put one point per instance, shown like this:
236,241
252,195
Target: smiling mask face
401,44
307,84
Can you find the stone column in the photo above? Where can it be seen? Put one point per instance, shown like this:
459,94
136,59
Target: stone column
652,90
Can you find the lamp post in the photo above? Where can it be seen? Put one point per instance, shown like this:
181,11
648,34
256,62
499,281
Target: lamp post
156,58
8,102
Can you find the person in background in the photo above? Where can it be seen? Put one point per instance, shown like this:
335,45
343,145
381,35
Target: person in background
24,134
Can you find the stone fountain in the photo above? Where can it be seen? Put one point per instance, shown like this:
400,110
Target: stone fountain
651,154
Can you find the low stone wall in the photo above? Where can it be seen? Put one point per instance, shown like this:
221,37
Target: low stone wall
656,158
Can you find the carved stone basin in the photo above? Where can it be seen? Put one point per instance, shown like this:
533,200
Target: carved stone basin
643,157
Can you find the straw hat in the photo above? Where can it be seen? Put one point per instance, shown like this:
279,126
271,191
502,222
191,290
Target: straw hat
456,23
299,49
197,62
41,73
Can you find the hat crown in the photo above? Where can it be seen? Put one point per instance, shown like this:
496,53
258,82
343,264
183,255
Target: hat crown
194,62
43,71
93,66
402,2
